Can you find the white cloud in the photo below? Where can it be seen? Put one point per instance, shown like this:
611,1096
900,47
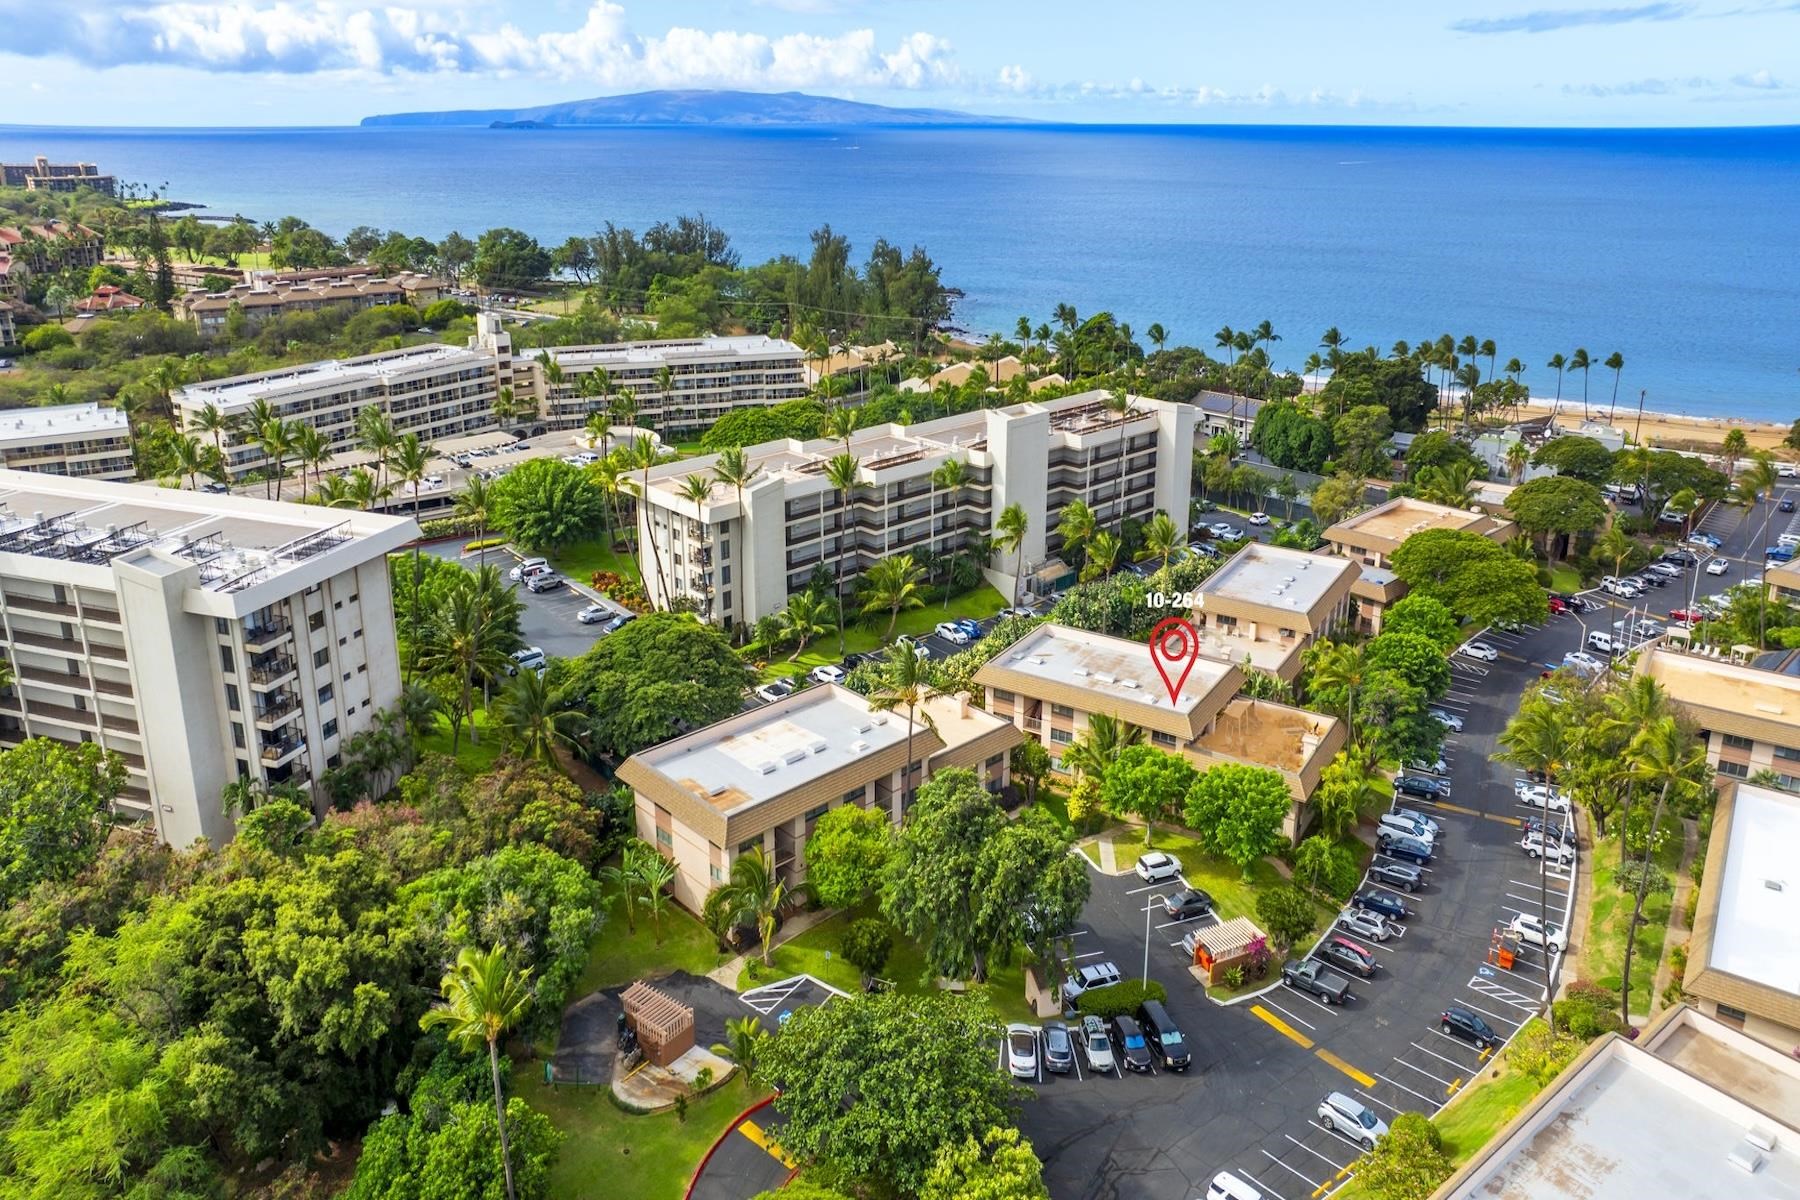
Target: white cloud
309,36
1014,78
1761,80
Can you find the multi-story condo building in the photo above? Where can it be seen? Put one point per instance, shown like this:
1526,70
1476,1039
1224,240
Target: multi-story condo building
53,243
1370,538
707,378
9,326
1783,582
277,294
765,777
1055,678
1267,604
1746,709
741,557
42,175
13,275
83,441
436,391
202,638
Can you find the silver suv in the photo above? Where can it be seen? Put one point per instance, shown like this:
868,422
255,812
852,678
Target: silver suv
1352,1118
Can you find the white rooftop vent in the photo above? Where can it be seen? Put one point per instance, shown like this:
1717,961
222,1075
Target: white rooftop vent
880,718
1304,565
859,746
767,767
1761,1137
1104,678
1287,579
1080,672
864,726
1745,1157
1036,660
794,755
719,789
1775,885
1017,657
1129,683
817,746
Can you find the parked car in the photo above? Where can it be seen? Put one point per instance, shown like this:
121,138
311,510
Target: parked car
1718,566
1364,924
1016,612
619,622
1349,955
1558,850
1203,549
1558,832
1259,518
1786,504
543,581
1648,580
528,659
826,673
1096,1046
1558,605
1402,824
1156,866
775,689
593,614
919,649
1683,557
215,488
1448,720
1478,650
526,565
1400,875
1059,1047
1627,587
1355,1120
1667,570
1687,616
1541,796
1022,1050
1164,1037
1458,1022
1436,766
1532,932
1426,787
1703,539
1412,849
1129,1043
1315,978
968,626
1187,904
1582,661
1385,903
1089,977
1223,531
953,633
1599,639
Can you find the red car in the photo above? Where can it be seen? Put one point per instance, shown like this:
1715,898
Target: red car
1687,616
1558,605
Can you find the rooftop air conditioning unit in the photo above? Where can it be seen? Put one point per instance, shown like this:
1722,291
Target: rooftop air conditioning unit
880,718
1129,683
766,767
859,747
719,789
864,726
817,746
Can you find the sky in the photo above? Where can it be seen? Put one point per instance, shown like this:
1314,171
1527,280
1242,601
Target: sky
1392,62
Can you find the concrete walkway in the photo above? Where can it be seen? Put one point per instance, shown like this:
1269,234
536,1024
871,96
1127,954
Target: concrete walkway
726,975
1109,862
1678,930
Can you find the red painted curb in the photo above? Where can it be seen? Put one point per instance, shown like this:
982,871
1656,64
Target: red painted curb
720,1141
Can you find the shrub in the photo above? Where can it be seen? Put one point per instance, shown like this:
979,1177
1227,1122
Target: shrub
46,337
1335,866
440,527
1626,878
483,544
866,945
1260,956
1534,1052
621,589
1408,1163
1286,913
1121,999
1588,1010
1234,977
1084,801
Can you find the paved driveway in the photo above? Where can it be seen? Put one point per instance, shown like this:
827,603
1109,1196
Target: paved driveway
548,619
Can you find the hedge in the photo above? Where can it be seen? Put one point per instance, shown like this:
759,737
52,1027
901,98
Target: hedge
437,527
1121,999
483,544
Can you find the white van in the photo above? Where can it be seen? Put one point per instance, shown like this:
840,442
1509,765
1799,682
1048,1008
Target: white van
1226,1186
1600,640
1404,825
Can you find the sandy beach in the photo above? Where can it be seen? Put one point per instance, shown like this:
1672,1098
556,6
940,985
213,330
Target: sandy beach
1676,431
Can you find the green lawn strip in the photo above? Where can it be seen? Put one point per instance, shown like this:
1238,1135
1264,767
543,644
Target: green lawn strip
608,1152
617,956
579,560
473,758
861,637
1603,957
1565,579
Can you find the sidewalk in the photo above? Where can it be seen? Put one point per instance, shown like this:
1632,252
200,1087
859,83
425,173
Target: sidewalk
726,974
1678,930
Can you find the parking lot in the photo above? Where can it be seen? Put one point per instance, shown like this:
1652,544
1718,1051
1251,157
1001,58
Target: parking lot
548,620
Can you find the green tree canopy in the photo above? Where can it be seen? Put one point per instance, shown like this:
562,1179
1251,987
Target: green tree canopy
546,503
55,805
1416,659
1394,384
1408,1163
1335,498
1553,505
798,419
1424,616
1000,1166
1361,436
1439,449
507,258
1291,437
1238,810
1471,576
847,853
644,682
1577,457
455,1157
1146,783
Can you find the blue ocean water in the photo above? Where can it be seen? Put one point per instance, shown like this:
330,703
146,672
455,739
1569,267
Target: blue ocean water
1679,249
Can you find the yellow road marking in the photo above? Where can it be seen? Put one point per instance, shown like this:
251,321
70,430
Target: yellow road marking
1485,1054
1283,1027
1320,1190
1470,812
753,1131
1451,1090
1343,1173
1361,1077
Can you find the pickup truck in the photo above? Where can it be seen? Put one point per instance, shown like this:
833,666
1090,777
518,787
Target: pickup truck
1311,975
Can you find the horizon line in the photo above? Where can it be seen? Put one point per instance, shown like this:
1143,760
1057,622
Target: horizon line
976,121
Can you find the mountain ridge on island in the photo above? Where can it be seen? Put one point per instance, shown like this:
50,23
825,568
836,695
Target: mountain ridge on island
691,107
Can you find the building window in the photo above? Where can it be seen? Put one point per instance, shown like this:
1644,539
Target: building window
1733,1017
1162,739
1224,621
813,814
1787,752
315,621
1735,770
1287,633
353,597
1062,710
325,694
237,735
221,625
321,657
718,876
226,660
1001,697
231,697
1061,737
1738,743
329,728
665,838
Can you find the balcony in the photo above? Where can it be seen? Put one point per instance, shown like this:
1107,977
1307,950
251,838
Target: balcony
82,717
55,679
35,604
277,709
266,674
263,634
275,753
107,616
118,724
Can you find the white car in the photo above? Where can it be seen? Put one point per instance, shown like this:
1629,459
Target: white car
528,567
953,633
1718,566
1480,650
1582,661
1259,518
1539,795
1156,866
528,659
593,614
1621,587
826,673
1352,1118
1448,720
1560,852
1089,976
919,649
775,690
1532,932
1224,532
1022,1050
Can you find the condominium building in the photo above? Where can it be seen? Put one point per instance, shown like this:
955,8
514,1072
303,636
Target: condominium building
42,175
84,441
1746,707
435,390
268,295
201,638
1743,965
1370,538
741,556
707,378
1055,678
9,327
1267,604
765,777
47,245
13,274
1783,582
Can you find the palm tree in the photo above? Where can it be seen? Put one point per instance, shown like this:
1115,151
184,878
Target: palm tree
1557,363
1453,485
950,475
697,489
1579,361
1492,352
892,584
1517,459
1629,711
665,396
362,491
276,439
1009,536
1615,545
466,639
838,424
483,998
642,456
1102,556
1537,740
655,873
905,681
801,620
1662,755
475,504
1735,446
1098,747
1076,527
1289,491
840,472
1616,363
376,434
755,895
1158,336
210,421
1340,665
313,449
1162,539
1756,482
1119,404
411,459
733,469
190,458
744,1038
532,717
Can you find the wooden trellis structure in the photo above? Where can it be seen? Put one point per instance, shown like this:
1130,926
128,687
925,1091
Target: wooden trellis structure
664,1025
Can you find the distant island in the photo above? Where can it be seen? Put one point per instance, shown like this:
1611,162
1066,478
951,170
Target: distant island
693,107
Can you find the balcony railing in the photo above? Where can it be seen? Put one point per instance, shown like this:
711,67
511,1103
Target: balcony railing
278,752
37,604
271,670
266,633
278,707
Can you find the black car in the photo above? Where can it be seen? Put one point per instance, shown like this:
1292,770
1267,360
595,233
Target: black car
1188,902
1383,903
1651,579
1459,1022
1786,505
619,622
1411,849
1423,786
1165,1039
1680,557
1132,1047
1400,875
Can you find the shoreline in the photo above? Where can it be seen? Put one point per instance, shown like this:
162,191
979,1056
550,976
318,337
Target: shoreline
1672,429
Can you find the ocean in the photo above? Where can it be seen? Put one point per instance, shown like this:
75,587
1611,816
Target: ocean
1679,249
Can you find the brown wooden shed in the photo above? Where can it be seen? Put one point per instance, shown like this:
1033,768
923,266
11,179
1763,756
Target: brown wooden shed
664,1025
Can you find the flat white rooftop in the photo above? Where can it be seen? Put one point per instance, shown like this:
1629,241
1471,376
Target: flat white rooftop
757,756
673,350
1276,577
1107,666
24,426
1759,894
240,391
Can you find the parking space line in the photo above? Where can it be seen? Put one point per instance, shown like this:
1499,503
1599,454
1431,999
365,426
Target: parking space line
1422,1071
1335,1164
1291,1171
1440,1057
1316,1003
1245,1172
1495,1015
1404,1088
1287,1014
1281,1026
1362,1077
1377,1100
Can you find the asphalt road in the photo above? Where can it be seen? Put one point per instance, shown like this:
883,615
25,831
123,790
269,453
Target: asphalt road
548,620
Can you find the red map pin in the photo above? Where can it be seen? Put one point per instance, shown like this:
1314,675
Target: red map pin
1174,645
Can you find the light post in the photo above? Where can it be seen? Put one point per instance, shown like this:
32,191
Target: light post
1148,905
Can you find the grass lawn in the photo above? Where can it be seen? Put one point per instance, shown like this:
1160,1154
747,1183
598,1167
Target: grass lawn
807,954
617,957
580,560
254,260
472,758
984,601
1565,579
608,1152
1603,957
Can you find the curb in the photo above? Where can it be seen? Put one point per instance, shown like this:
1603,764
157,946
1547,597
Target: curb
694,1179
